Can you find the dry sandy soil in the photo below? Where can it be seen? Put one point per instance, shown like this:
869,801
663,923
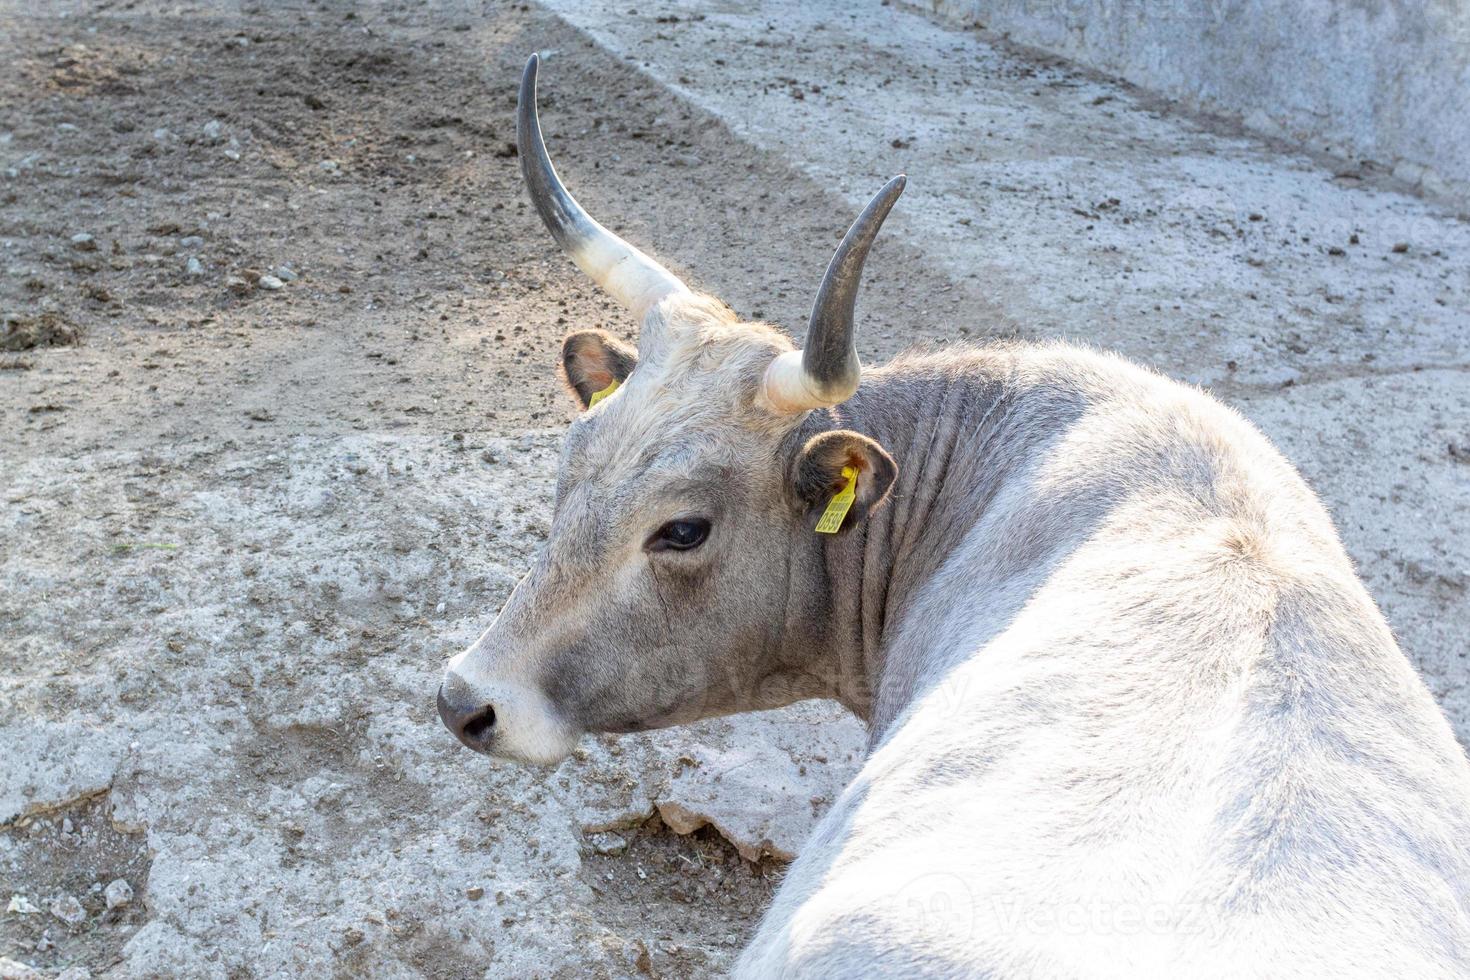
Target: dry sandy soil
280,429
244,525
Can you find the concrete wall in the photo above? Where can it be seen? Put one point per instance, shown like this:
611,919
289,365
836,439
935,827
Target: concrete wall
1382,80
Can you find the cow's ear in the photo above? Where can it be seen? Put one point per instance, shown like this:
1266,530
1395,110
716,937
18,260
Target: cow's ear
592,361
817,474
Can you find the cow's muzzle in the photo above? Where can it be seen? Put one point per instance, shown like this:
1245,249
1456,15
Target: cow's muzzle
501,716
466,716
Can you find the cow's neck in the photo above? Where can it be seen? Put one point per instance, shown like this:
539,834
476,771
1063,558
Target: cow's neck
939,422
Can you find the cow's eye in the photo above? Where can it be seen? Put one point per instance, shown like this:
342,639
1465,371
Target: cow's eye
680,535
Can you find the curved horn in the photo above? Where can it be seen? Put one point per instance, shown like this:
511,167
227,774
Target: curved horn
827,370
631,277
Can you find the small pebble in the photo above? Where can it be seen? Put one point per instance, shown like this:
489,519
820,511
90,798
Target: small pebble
608,844
118,893
193,267
191,241
68,910
475,894
10,968
270,282
83,242
1401,247
21,905
286,274
214,130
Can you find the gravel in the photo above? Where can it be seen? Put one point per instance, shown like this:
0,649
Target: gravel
68,910
118,893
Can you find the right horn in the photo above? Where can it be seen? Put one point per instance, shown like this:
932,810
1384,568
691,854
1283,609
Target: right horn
631,277
826,371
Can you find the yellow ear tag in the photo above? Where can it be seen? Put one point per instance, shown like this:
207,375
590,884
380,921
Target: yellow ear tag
598,396
840,503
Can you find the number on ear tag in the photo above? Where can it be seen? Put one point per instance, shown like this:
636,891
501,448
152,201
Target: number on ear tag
598,396
840,504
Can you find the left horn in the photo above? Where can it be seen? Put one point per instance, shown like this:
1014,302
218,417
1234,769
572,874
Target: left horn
826,371
629,276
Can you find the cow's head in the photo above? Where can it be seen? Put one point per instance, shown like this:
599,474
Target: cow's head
682,576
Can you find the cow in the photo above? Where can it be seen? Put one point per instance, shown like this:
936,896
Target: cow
1130,710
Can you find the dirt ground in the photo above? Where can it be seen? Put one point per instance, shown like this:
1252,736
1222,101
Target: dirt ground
280,424
281,421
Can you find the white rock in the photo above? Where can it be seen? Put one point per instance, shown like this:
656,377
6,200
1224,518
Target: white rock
68,910
330,166
21,905
286,274
191,241
763,795
270,282
608,843
214,130
15,970
193,267
118,893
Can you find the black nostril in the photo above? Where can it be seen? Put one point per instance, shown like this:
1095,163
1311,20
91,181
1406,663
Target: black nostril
478,725
470,723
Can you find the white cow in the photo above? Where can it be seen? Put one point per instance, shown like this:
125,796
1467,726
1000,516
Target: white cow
1132,713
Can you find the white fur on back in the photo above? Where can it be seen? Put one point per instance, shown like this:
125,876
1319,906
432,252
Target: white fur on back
1181,742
